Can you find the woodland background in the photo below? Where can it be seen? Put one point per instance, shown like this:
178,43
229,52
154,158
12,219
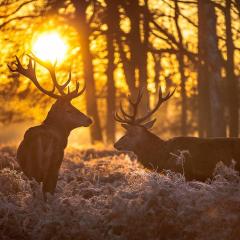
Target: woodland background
120,46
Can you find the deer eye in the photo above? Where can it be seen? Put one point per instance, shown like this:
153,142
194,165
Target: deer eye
68,110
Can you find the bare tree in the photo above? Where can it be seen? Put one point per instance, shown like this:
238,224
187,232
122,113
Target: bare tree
135,59
211,58
83,27
175,47
204,122
230,76
111,20
181,67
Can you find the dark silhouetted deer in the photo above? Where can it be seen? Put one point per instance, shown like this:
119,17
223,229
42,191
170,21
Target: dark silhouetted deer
195,157
41,152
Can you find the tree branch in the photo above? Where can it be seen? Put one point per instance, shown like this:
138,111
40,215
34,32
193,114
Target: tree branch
18,18
17,9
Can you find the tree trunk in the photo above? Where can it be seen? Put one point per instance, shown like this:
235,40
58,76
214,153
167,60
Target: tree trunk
84,32
130,63
237,5
143,58
128,68
111,91
230,76
138,48
204,126
212,60
218,128
180,58
157,70
204,116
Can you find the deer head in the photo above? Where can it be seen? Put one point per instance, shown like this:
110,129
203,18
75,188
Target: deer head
137,134
62,114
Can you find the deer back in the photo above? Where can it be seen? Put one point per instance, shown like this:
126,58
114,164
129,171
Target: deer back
199,156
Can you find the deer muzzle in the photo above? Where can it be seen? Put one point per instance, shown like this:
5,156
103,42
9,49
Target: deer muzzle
88,122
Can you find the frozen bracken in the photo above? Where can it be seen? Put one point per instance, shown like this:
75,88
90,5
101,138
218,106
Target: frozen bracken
110,196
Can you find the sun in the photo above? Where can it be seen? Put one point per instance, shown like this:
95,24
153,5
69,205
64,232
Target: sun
50,47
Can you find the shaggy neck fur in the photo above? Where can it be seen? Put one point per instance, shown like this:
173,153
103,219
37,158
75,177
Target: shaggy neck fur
62,131
153,149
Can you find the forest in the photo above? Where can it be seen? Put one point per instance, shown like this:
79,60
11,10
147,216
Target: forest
100,69
118,47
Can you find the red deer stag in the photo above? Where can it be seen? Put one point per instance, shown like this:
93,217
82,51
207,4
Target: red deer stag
197,157
41,152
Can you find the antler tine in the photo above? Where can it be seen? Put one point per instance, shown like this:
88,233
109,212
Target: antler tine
51,69
161,99
68,81
19,67
139,97
70,95
125,115
63,86
135,105
82,91
75,93
30,73
32,68
169,95
117,117
121,120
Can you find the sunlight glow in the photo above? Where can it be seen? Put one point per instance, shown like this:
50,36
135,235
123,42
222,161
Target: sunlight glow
50,47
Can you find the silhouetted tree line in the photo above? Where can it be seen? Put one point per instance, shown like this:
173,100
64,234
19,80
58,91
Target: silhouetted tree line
213,100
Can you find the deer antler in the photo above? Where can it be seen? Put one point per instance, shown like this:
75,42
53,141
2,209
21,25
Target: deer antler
161,100
131,119
30,73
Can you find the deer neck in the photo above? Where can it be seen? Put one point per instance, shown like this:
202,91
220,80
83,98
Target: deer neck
153,152
62,131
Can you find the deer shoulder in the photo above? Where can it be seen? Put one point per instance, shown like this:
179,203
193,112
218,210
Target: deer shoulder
39,147
46,135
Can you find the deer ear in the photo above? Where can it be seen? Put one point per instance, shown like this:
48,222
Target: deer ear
150,124
126,126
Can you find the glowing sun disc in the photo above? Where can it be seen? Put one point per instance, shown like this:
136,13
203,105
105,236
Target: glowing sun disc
50,47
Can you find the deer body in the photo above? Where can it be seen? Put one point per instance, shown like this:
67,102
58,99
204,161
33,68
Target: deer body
195,157
199,158
202,155
41,152
40,155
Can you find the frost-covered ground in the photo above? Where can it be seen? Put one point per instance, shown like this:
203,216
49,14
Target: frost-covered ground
104,196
